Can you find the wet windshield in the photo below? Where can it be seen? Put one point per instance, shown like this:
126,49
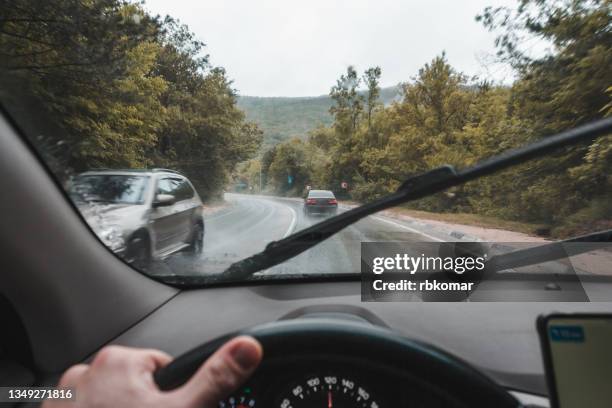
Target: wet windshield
234,137
111,189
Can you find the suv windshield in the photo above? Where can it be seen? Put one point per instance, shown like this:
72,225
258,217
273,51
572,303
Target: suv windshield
317,139
110,189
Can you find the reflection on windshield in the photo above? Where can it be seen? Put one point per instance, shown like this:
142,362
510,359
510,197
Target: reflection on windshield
109,189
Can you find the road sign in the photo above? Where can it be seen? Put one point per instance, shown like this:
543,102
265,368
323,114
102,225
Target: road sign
289,179
344,185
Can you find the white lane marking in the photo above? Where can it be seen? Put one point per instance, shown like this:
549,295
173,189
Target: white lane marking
293,221
260,210
275,202
234,210
379,218
265,200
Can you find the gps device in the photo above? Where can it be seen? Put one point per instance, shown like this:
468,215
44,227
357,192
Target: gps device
577,351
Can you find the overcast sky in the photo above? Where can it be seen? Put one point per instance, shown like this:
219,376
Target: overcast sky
299,48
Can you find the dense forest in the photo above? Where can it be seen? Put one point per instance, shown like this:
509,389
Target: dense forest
445,117
103,84
281,118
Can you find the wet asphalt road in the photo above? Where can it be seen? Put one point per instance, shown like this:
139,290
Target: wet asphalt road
250,222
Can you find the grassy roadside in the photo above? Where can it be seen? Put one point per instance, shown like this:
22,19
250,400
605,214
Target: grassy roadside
474,220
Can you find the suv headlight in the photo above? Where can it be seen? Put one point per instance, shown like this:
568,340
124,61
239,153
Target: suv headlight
112,236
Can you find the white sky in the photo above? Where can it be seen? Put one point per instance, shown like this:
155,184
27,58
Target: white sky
300,48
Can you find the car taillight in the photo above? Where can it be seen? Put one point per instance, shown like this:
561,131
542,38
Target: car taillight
332,201
311,201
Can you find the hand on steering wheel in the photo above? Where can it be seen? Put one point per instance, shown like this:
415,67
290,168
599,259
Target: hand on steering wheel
123,377
404,361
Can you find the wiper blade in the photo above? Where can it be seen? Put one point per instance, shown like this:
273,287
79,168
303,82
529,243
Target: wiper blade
414,188
548,252
551,252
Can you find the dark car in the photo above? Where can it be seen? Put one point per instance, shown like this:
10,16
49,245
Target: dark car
321,202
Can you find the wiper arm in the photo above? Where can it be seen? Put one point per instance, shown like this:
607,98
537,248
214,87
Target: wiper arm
414,188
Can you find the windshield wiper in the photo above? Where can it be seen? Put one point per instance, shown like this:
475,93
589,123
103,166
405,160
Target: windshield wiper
547,252
414,188
551,252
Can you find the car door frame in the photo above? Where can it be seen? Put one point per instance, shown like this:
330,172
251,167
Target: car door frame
164,221
187,210
176,220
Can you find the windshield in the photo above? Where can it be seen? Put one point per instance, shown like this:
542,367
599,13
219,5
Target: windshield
110,189
250,133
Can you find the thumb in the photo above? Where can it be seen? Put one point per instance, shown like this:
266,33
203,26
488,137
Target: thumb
223,372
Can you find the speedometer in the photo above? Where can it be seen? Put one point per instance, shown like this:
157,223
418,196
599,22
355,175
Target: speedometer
329,391
242,400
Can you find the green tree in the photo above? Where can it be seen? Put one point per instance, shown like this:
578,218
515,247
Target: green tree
371,77
560,90
288,173
348,102
437,101
347,109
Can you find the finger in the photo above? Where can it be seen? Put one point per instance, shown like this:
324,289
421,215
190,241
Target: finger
153,360
72,376
223,372
156,358
113,356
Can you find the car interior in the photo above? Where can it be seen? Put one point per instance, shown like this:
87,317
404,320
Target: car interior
65,301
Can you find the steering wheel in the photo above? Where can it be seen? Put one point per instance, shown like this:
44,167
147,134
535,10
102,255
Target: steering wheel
310,337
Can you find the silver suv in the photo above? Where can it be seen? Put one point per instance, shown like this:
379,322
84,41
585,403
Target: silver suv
142,215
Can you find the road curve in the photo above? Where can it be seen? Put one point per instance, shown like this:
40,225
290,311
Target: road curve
251,222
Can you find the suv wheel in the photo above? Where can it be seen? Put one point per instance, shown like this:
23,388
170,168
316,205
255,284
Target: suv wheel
138,252
197,241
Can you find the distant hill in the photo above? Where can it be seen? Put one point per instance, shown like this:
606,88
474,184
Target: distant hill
283,117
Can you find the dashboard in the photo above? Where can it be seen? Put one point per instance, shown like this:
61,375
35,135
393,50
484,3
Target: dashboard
497,338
